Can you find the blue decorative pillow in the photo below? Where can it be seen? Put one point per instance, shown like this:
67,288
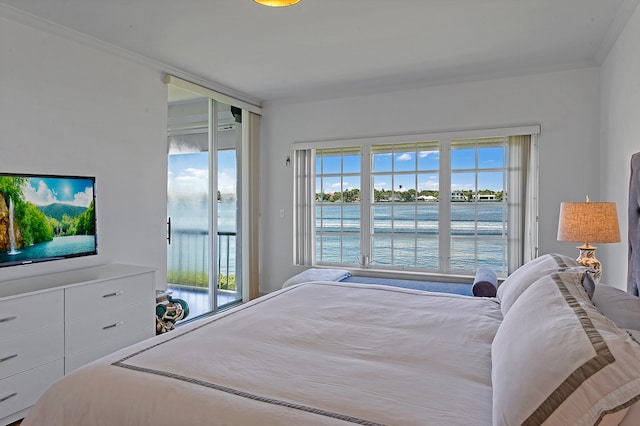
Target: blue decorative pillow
485,283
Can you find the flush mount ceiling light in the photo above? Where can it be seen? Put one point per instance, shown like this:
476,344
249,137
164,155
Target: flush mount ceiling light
277,3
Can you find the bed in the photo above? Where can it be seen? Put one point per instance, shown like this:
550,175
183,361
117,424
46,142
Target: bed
331,353
551,348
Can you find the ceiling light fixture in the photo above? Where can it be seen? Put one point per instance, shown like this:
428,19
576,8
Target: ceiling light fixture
277,3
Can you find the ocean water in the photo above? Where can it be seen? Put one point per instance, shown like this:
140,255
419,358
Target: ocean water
414,228
406,236
189,248
58,247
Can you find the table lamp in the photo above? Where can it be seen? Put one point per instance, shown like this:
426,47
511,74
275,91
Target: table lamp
589,223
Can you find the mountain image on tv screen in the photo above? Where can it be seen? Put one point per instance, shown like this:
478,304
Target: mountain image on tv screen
46,218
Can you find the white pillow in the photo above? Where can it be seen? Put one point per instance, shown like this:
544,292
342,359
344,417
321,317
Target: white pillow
317,274
516,283
632,417
618,305
557,360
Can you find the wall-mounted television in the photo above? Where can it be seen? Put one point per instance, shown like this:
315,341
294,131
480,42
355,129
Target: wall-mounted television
46,217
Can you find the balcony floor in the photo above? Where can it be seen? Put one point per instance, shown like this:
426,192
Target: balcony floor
199,300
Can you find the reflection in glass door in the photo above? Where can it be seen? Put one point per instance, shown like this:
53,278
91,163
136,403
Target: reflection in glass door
203,259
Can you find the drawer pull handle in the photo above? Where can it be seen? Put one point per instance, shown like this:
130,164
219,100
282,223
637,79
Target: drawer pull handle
7,319
117,324
3,399
7,358
117,293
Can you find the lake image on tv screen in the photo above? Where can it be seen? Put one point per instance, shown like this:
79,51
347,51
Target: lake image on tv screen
45,218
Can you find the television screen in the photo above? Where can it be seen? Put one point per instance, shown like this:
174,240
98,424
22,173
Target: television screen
46,217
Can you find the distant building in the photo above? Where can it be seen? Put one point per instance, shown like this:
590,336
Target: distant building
458,196
427,198
485,197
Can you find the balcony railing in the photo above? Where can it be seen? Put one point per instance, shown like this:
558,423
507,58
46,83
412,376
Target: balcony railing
188,259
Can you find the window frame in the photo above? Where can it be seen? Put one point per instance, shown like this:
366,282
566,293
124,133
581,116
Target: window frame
304,250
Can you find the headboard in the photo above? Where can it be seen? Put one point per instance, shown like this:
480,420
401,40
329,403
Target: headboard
633,273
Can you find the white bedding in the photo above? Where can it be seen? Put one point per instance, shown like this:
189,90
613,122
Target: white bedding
316,353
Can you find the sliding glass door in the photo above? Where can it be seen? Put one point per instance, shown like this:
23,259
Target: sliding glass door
203,210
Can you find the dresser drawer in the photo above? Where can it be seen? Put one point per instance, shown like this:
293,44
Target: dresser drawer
22,390
28,350
105,296
23,314
113,324
77,360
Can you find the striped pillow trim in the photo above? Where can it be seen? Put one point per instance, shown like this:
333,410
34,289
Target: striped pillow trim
603,358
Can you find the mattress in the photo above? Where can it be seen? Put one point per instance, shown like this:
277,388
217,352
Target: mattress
324,353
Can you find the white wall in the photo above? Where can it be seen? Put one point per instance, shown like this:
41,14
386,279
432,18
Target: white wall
620,138
565,104
66,108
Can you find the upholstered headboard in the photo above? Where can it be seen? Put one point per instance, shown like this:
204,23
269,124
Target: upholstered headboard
633,273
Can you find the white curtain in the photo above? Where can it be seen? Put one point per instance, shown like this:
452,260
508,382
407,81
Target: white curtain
252,210
303,200
522,201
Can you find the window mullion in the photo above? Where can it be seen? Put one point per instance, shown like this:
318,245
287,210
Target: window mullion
444,206
365,201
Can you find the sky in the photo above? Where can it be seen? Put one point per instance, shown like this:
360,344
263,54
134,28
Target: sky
47,190
189,173
389,170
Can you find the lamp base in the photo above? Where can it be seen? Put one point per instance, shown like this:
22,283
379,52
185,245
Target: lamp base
588,258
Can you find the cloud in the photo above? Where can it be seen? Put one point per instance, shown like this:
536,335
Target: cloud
463,187
197,173
189,181
40,196
84,198
405,157
195,181
424,154
43,195
349,186
226,182
430,184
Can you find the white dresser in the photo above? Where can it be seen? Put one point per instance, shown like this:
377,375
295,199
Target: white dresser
55,323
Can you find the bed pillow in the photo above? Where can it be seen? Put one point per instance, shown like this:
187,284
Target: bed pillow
618,305
317,274
589,283
516,283
557,360
632,418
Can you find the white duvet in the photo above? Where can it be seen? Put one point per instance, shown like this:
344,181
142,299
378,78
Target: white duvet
321,353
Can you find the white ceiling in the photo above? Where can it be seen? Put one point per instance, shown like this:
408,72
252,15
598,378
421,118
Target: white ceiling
335,47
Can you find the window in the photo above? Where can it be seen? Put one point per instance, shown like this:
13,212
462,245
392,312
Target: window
479,212
404,210
337,210
443,203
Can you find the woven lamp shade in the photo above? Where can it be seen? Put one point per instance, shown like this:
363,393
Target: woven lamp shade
588,223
